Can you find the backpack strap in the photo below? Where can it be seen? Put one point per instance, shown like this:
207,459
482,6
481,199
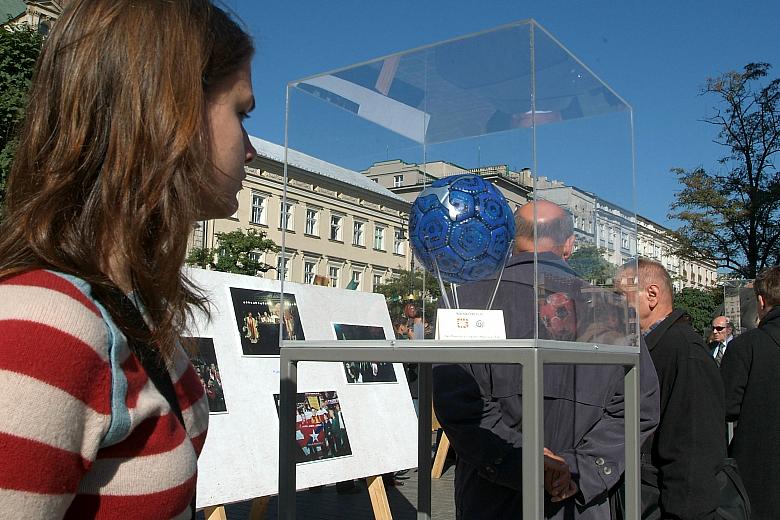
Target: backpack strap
146,354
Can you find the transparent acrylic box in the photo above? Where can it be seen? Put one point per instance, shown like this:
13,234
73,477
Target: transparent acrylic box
513,105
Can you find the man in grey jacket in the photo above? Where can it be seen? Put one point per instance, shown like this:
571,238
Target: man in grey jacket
480,405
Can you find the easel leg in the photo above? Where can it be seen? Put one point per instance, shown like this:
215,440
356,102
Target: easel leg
376,490
259,506
215,513
441,456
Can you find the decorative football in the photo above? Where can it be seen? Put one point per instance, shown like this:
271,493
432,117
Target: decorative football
460,228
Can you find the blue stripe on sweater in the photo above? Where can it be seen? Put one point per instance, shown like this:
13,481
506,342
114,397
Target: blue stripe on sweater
119,426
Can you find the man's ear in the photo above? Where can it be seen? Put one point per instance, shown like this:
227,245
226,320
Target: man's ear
652,291
568,248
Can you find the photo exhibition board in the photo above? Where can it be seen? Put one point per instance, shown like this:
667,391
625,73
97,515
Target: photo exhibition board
343,426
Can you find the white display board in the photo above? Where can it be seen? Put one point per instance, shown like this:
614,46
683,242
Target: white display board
377,426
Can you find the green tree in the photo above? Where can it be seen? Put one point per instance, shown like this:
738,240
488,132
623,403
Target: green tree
234,253
732,213
19,49
700,304
589,263
398,289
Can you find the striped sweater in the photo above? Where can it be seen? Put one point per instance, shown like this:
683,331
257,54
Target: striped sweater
84,433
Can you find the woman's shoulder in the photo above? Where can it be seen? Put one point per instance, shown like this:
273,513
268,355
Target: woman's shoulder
48,302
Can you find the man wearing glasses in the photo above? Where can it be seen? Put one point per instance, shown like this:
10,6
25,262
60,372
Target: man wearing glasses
722,334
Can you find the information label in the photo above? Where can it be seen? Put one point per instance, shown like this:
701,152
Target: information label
472,324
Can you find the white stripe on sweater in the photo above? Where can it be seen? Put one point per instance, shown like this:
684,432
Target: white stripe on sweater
141,475
54,309
33,506
33,409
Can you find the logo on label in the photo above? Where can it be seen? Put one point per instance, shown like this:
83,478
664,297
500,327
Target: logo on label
480,323
463,323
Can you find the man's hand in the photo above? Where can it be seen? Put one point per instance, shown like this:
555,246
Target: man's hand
557,477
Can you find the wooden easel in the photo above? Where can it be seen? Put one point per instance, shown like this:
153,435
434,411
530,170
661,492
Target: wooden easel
441,449
376,491
259,505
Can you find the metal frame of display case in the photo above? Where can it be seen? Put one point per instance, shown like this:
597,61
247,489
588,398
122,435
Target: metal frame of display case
531,354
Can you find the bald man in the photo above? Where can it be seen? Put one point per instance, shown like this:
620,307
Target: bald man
480,405
680,462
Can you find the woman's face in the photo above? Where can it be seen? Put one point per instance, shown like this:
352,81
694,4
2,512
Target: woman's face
228,106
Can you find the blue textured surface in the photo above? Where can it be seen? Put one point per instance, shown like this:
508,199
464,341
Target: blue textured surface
461,227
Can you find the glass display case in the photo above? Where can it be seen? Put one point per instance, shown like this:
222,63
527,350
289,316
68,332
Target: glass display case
514,107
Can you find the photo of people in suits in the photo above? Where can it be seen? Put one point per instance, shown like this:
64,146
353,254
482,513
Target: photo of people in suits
204,359
258,317
365,371
320,430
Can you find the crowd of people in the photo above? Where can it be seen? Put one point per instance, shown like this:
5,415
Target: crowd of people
689,388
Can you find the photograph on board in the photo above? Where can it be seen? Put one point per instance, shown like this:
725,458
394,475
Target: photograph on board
320,431
257,314
364,371
204,359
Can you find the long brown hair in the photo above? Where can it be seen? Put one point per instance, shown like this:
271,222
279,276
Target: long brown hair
113,156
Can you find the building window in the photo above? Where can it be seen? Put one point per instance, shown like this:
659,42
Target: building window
282,268
624,241
358,234
379,238
257,257
333,274
377,280
312,219
398,242
286,216
199,234
258,208
336,223
398,181
309,271
356,276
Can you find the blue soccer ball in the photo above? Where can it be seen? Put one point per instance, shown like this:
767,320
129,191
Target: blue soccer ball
461,228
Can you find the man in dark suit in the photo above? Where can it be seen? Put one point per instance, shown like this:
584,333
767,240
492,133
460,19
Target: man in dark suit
681,459
480,405
722,334
751,374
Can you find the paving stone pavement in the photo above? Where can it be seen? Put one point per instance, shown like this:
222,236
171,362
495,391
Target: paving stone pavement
326,504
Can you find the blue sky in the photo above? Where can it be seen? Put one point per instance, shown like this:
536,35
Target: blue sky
655,54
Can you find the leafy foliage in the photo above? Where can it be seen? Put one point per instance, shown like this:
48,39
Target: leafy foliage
732,213
589,263
19,49
397,290
700,304
234,253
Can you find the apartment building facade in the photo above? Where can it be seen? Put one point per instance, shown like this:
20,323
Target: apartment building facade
336,223
620,233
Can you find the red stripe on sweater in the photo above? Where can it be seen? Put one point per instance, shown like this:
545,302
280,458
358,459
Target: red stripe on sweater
47,280
189,389
28,465
154,435
58,359
164,504
136,379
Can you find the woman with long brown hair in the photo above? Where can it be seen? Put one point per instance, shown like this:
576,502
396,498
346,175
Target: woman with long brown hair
133,131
